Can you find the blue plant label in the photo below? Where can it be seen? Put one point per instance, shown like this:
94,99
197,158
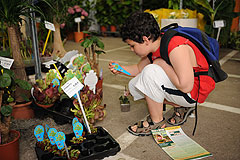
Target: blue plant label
47,128
78,129
55,82
39,132
75,120
51,135
60,140
119,68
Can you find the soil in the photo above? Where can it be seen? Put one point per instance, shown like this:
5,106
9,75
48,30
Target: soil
27,138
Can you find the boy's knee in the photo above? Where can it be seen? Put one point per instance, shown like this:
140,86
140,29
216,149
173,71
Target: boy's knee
151,70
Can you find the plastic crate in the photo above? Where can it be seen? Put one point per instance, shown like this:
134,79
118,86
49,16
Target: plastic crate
96,146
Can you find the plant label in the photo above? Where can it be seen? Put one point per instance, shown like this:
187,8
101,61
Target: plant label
60,68
91,80
119,68
47,128
6,62
60,140
219,23
52,135
55,82
75,120
49,63
39,133
77,20
49,25
78,129
72,86
67,57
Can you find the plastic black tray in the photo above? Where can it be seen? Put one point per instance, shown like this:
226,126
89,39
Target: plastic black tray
96,146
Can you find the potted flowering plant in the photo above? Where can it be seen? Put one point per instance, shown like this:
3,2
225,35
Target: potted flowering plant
78,15
124,101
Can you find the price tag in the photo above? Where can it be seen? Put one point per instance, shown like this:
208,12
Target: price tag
6,62
77,20
219,23
72,86
49,25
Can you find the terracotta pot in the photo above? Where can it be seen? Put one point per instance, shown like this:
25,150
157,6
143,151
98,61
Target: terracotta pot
103,28
44,105
10,151
113,28
23,111
78,36
125,107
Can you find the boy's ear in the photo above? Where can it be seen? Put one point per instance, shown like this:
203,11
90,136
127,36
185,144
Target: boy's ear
145,39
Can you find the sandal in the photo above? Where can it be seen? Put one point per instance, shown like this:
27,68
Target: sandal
146,131
180,115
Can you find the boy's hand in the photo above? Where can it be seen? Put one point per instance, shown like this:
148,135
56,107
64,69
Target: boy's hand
111,67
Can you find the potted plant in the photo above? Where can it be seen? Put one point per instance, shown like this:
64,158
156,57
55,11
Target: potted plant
92,106
124,101
9,139
78,15
93,47
46,92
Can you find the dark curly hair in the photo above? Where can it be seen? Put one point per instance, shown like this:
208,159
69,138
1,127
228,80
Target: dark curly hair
140,24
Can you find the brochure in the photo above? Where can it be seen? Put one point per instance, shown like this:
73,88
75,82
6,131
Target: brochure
178,145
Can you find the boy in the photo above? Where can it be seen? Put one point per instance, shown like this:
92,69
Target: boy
158,82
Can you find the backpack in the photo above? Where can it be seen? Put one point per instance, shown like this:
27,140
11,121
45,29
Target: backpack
208,46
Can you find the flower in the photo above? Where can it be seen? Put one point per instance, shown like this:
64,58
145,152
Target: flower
124,99
76,12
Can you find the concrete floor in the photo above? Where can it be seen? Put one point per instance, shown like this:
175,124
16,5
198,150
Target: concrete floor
218,130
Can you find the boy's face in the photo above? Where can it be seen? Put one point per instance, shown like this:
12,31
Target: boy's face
141,49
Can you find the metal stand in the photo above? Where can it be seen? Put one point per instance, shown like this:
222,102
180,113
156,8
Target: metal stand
35,46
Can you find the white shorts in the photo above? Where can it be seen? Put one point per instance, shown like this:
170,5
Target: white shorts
155,84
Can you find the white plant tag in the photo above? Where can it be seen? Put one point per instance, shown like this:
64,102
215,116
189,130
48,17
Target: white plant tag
6,62
219,24
77,20
49,25
72,87
91,80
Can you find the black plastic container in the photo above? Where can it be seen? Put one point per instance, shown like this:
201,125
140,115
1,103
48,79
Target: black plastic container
96,146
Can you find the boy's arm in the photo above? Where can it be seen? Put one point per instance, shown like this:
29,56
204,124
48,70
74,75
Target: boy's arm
132,69
181,72
137,68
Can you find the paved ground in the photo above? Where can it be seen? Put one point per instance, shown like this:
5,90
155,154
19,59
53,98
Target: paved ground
217,131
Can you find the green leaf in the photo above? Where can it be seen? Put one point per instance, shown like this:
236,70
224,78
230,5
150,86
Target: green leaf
100,44
99,51
5,80
88,43
6,110
23,84
205,4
